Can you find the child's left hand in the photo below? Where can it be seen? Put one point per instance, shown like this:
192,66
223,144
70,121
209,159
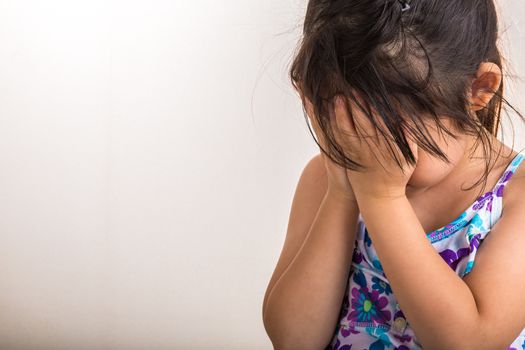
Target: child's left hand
382,178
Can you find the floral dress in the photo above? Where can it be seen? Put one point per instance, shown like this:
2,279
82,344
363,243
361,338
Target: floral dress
370,317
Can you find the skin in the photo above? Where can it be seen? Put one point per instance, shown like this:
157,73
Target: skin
463,311
434,199
437,196
316,275
457,316
437,185
432,183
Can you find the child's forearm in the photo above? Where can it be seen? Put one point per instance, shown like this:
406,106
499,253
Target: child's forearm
438,304
304,304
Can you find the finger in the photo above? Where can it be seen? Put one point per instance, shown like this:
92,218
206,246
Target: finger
357,124
370,128
353,128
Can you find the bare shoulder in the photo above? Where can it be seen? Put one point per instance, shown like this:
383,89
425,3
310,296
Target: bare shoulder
309,193
315,171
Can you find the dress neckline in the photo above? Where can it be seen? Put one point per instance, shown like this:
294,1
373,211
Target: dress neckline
464,216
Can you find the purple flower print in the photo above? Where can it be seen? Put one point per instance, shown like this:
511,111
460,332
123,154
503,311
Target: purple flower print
499,191
508,174
403,338
344,347
368,306
489,203
399,313
452,258
474,242
337,346
348,329
480,202
358,257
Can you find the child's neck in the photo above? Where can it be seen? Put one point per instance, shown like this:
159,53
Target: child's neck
439,204
470,169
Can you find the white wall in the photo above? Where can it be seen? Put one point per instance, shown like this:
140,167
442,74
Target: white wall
149,151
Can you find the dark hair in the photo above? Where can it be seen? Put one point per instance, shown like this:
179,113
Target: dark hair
423,59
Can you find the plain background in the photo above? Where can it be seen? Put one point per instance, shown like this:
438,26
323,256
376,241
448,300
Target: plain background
149,152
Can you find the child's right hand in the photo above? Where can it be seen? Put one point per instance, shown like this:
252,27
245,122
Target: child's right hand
338,183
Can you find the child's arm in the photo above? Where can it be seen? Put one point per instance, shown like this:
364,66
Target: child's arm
482,311
438,305
497,279
304,296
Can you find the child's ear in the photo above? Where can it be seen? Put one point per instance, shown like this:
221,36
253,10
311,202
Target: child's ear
484,85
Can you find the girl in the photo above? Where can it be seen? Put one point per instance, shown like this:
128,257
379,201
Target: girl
388,243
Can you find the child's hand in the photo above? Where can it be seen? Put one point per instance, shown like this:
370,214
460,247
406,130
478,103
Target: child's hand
338,183
382,178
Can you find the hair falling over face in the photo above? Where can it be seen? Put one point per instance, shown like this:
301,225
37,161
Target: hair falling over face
409,68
